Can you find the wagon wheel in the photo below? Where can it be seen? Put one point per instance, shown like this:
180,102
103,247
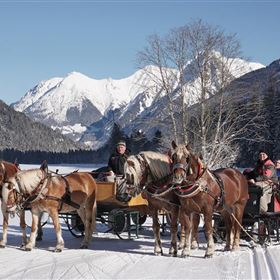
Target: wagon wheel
141,218
117,221
74,225
262,233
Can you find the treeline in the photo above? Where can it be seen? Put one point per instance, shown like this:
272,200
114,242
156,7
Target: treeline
136,142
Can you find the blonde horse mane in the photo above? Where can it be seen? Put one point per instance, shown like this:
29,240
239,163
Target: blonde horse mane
29,179
159,165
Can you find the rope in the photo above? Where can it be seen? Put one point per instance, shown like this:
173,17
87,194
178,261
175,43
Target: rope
246,232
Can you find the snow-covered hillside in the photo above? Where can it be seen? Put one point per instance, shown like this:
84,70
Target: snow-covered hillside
74,103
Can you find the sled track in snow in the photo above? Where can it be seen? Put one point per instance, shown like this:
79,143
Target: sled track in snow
263,265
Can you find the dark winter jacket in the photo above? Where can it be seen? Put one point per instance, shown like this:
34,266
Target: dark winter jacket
265,170
116,162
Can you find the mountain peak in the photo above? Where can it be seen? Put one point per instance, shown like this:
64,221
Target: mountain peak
79,101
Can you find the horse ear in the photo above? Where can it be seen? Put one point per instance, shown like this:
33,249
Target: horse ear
173,144
44,166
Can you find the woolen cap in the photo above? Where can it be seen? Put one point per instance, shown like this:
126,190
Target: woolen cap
121,143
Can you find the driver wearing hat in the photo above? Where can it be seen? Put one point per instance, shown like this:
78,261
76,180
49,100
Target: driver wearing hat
118,158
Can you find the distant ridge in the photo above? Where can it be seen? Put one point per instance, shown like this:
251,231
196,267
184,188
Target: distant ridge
19,132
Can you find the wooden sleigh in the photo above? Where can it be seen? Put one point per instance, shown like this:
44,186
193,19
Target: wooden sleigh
117,215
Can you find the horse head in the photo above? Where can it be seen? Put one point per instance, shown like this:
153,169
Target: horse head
20,186
133,175
186,165
10,191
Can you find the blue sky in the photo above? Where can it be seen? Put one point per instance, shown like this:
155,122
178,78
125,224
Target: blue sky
44,39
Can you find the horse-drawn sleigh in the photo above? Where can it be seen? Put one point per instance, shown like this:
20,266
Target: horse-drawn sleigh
183,187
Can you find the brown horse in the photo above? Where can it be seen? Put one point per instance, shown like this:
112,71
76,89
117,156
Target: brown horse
202,191
8,170
149,173
52,193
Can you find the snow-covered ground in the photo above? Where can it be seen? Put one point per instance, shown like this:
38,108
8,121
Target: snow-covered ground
112,258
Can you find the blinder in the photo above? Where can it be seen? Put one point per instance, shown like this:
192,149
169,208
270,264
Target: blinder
180,166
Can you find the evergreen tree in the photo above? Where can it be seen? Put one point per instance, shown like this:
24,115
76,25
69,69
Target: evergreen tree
156,144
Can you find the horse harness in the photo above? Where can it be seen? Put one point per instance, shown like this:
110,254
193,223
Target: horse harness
66,198
200,185
37,194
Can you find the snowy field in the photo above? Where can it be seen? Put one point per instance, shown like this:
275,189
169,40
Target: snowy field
112,258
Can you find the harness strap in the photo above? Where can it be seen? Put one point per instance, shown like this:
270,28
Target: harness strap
66,198
36,193
220,200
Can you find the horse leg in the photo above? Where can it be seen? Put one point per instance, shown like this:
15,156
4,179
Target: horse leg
209,235
88,216
3,242
156,230
182,219
34,228
23,228
40,230
195,219
174,228
187,246
59,240
238,214
229,231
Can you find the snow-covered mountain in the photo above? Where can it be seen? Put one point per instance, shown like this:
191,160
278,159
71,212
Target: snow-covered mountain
84,108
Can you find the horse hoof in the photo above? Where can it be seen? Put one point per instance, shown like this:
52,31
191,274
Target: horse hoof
57,250
185,256
194,245
208,256
84,247
2,246
27,249
173,255
158,254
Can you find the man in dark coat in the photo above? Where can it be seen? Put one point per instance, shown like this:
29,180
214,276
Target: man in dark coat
118,158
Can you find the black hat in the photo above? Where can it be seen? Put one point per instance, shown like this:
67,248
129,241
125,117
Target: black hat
121,143
263,151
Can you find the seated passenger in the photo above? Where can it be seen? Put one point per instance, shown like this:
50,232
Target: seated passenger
118,158
264,176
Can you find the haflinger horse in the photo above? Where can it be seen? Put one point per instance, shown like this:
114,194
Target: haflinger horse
7,170
149,173
52,193
202,191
